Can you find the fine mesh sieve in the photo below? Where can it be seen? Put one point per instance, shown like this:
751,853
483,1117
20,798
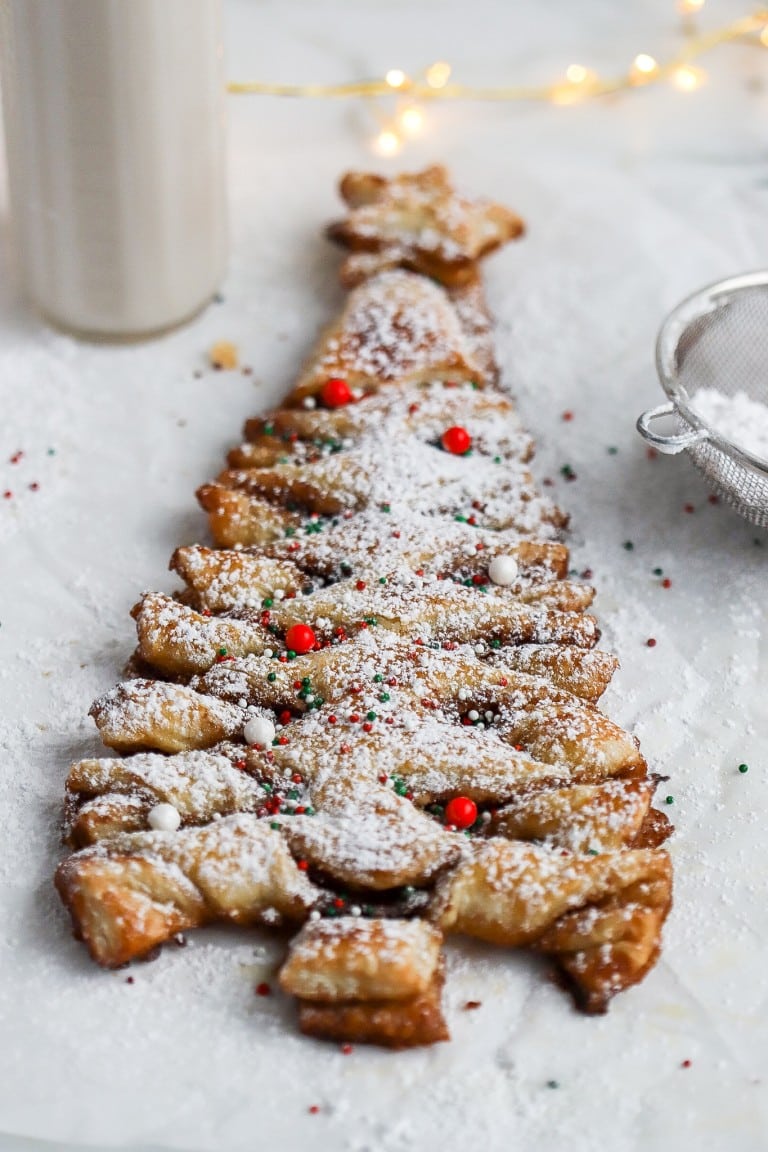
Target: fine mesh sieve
717,338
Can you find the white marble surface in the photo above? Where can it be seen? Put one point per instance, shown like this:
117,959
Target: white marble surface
631,204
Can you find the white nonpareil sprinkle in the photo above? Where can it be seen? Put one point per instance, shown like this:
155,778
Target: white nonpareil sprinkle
164,818
259,730
738,418
309,402
503,570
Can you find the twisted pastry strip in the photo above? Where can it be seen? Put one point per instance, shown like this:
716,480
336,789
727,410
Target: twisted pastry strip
179,641
108,796
425,410
599,916
130,894
363,476
222,580
140,714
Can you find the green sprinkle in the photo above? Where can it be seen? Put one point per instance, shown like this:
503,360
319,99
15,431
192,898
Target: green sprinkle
743,768
382,579
290,531
497,459
628,545
269,429
461,519
495,643
282,459
267,788
658,571
222,651
305,682
346,569
378,678
308,590
275,826
371,620
386,508
51,451
309,811
272,676
267,603
370,715
553,1084
291,654
669,800
613,450
592,852
384,696
293,794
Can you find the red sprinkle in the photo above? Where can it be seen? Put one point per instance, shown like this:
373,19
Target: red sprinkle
367,727
331,719
456,440
7,494
360,585
568,415
461,811
346,1049
712,499
650,642
34,486
666,582
300,639
336,393
685,1064
688,508
651,453
16,457
313,1109
263,989
302,865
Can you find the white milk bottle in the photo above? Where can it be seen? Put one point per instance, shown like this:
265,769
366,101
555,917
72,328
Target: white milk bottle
114,121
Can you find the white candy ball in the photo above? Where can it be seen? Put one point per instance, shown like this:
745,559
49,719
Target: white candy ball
503,570
309,402
259,730
164,818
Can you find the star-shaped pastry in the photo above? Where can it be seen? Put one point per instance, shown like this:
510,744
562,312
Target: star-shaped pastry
417,222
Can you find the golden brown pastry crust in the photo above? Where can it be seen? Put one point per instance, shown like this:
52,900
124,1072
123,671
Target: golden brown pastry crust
434,683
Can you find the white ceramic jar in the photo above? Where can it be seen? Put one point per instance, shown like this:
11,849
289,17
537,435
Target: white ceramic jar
114,120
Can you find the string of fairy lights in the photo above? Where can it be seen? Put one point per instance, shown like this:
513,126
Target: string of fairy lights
413,94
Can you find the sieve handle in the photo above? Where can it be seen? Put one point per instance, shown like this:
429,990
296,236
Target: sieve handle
669,444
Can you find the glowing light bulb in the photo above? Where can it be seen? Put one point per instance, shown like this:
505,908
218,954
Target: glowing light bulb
576,73
387,143
412,120
395,78
644,65
438,74
686,79
691,5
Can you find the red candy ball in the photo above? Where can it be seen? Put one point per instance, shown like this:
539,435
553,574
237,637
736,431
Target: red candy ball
461,812
300,639
456,440
335,393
